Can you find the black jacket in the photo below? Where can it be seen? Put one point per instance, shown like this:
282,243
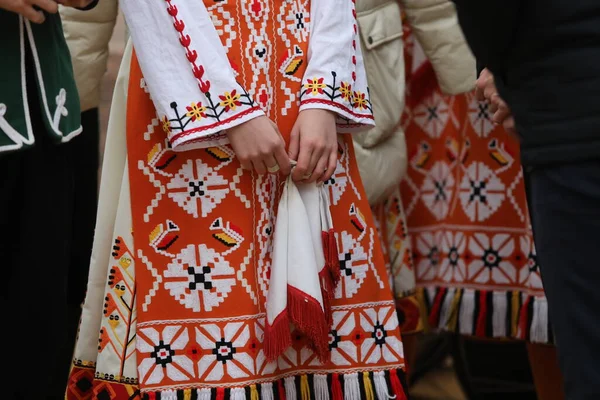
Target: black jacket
545,55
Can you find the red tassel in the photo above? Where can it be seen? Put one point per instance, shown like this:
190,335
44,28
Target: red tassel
220,393
480,327
336,388
151,396
523,318
277,336
397,386
281,389
434,314
308,316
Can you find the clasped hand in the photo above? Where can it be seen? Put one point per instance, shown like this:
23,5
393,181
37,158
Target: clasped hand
486,91
259,146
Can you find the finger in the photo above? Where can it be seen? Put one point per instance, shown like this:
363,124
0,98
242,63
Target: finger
294,148
313,172
302,167
485,79
49,6
321,168
259,166
37,17
247,165
283,161
272,165
333,157
500,115
489,92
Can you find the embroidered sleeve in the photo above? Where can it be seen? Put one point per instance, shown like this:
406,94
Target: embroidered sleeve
186,72
335,77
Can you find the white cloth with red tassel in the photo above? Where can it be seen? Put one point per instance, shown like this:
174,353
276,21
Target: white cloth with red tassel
304,270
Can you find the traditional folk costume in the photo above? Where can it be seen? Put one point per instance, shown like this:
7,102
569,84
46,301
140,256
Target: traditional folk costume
464,197
191,250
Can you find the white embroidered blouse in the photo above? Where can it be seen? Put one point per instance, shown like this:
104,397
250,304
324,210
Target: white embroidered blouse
187,61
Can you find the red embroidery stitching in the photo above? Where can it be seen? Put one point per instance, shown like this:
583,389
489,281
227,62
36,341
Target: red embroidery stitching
186,41
207,127
337,105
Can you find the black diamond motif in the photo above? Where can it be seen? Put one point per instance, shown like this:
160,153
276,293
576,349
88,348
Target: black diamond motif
441,193
478,191
434,256
200,278
196,188
299,20
334,339
163,354
347,257
379,334
224,351
432,113
103,395
453,256
84,384
491,258
483,110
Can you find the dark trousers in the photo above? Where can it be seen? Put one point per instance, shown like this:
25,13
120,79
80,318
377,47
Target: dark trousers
47,215
565,210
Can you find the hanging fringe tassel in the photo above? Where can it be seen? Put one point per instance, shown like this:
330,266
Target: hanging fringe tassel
290,388
397,386
204,394
539,322
266,391
356,386
351,387
168,395
336,388
494,314
277,337
481,317
467,309
321,389
434,315
446,308
307,314
523,318
381,387
369,395
236,394
304,387
281,390
499,310
515,309
452,323
220,393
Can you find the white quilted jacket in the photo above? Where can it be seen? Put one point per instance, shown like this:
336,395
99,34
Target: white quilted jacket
381,152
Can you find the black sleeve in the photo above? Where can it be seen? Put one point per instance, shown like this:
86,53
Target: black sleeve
92,5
